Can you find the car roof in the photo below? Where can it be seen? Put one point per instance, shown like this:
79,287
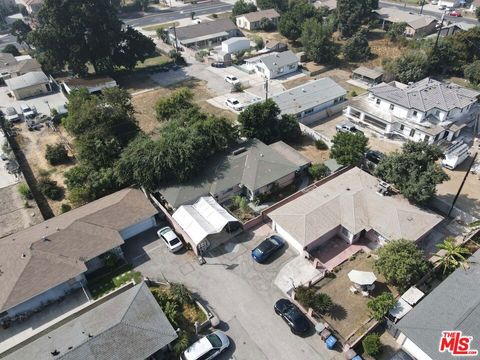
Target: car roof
198,348
168,233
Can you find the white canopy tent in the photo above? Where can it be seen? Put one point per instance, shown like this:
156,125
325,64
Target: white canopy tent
362,277
205,217
401,309
413,295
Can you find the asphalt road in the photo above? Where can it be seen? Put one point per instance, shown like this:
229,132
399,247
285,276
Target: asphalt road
176,13
435,14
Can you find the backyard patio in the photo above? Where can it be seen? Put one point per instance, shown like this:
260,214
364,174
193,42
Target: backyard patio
350,315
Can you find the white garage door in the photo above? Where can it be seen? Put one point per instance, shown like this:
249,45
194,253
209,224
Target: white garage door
291,241
138,228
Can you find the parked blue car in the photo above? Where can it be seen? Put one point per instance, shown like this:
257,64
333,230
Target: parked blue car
267,247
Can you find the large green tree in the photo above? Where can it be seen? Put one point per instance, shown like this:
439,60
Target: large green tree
453,255
73,33
414,171
353,13
472,72
280,5
412,66
291,22
171,105
317,41
380,305
356,48
243,7
11,49
402,263
349,148
20,29
396,31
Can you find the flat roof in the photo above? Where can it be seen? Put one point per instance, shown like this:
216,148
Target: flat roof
368,73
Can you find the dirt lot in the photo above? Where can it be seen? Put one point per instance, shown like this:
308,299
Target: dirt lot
381,48
350,310
307,148
34,144
144,103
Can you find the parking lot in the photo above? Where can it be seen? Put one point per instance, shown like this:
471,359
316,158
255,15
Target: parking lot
240,291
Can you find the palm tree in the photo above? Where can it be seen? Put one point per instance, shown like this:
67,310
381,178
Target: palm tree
454,256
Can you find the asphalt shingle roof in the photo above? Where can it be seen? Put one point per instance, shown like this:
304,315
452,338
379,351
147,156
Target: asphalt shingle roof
259,15
29,79
129,326
204,29
427,94
452,305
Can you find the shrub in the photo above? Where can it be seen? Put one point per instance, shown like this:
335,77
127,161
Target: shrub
181,294
353,93
318,171
182,342
24,190
320,303
109,259
65,208
237,87
371,344
50,189
56,154
381,305
321,145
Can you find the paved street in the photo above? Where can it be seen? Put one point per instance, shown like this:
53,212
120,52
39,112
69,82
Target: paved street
240,291
176,13
428,10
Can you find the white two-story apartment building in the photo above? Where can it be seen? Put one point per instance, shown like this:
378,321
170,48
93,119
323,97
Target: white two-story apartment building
428,110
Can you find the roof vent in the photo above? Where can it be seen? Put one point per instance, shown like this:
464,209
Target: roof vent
261,155
348,189
55,352
239,151
410,218
90,335
23,256
303,90
58,229
383,188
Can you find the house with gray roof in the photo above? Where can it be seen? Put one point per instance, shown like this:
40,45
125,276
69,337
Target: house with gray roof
253,20
312,101
12,66
250,169
416,25
48,260
28,85
203,35
126,326
274,64
428,110
349,207
454,305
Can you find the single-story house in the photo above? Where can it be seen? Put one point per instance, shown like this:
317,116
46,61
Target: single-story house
207,223
235,44
274,64
45,261
454,305
205,34
292,155
12,66
31,84
250,169
417,25
253,20
349,206
275,46
128,326
454,28
312,101
94,84
368,76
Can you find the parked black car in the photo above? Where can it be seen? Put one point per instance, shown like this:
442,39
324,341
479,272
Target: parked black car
374,156
267,247
218,64
292,315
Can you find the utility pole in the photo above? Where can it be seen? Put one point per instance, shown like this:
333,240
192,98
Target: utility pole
265,85
461,185
438,33
421,9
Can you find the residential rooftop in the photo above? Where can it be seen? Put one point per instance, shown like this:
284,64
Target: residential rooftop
351,200
394,15
426,94
251,164
452,305
204,29
128,326
19,64
368,73
45,255
309,95
29,79
261,14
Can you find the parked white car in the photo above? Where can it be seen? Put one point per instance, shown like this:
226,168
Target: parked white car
170,238
231,79
434,2
11,114
234,104
207,348
28,112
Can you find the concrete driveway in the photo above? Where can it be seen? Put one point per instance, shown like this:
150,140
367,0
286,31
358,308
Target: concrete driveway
241,292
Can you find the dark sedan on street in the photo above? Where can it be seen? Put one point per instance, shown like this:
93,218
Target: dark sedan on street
267,247
293,316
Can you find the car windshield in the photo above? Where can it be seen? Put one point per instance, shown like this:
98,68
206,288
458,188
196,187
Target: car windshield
233,78
11,111
235,102
214,340
174,241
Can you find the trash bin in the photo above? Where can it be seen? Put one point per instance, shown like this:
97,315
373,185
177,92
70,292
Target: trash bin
331,341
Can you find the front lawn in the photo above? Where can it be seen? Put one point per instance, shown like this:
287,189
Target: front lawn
114,279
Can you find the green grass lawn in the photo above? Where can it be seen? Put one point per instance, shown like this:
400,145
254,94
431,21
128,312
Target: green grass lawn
153,62
156,26
118,277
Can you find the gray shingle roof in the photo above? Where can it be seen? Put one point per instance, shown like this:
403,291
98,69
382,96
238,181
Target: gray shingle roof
257,166
40,257
129,326
259,15
30,79
276,60
427,94
367,72
204,29
453,305
394,15
308,95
